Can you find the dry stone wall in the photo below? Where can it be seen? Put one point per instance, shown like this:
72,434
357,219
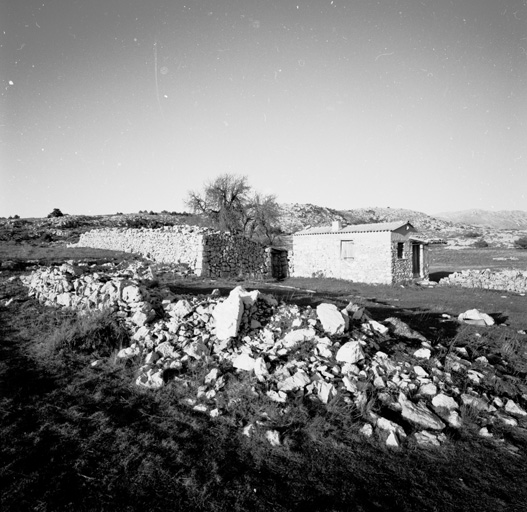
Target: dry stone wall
509,280
174,244
208,253
225,255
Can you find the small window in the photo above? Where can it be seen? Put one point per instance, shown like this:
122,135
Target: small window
347,250
400,250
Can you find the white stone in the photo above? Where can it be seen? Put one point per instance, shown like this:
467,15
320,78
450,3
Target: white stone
63,299
366,430
180,309
475,317
273,436
349,384
211,376
376,326
331,319
140,318
425,438
132,293
247,430
514,410
445,402
422,353
428,389
452,418
248,298
227,316
260,369
297,336
279,396
484,432
392,441
420,371
297,381
197,349
498,402
244,362
324,390
351,352
390,426
476,402
378,382
419,414
507,420
152,379
127,353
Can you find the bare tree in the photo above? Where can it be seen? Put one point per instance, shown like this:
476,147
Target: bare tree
228,201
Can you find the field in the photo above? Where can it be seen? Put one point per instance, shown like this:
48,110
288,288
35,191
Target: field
443,259
80,436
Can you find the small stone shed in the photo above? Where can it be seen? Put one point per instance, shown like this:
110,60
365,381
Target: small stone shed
206,252
387,252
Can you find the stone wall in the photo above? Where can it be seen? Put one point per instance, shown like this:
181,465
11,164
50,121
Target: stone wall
374,257
208,253
509,280
401,267
225,255
320,255
174,244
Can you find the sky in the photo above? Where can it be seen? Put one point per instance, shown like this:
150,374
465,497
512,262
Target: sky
113,106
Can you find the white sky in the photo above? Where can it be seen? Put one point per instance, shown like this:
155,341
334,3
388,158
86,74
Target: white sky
125,105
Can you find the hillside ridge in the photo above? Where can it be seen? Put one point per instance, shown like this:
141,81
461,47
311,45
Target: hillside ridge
501,219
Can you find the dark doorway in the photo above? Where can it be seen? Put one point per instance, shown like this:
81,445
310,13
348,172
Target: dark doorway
416,260
279,263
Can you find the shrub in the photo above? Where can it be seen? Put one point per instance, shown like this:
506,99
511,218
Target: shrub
521,243
480,243
55,213
472,234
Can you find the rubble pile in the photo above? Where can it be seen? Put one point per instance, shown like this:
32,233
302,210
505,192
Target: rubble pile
400,384
508,280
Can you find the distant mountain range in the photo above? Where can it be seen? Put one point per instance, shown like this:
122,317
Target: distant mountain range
505,219
294,217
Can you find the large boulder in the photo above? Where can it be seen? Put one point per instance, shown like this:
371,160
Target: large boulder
475,317
351,352
419,415
332,320
228,315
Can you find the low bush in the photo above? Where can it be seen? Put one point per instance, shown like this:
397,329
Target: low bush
521,243
480,244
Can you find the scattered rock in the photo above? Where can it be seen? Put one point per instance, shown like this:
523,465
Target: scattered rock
331,318
475,317
351,352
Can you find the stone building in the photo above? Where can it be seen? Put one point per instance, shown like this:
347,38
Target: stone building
206,252
387,252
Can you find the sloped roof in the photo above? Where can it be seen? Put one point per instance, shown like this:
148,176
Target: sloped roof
358,228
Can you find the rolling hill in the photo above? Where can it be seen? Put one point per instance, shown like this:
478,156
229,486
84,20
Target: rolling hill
504,219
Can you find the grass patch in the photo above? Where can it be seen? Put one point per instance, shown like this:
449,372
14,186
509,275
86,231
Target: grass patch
451,260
